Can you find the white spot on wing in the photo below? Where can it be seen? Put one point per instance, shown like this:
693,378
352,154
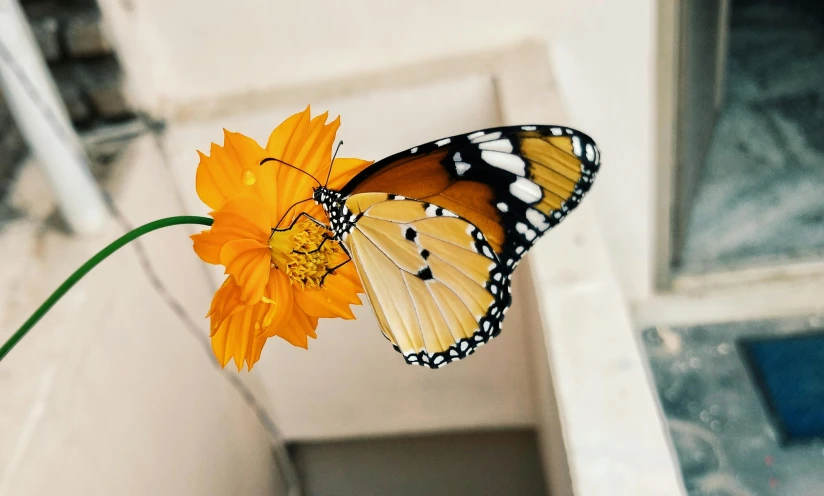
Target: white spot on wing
443,142
576,145
475,135
556,131
486,137
501,145
525,190
529,128
487,252
503,207
430,210
590,151
528,233
461,168
414,150
457,157
505,161
537,219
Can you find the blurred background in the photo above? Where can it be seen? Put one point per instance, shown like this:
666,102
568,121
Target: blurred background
666,339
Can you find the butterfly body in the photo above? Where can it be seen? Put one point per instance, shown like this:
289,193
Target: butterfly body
437,230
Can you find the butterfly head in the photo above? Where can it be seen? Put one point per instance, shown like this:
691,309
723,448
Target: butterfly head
334,206
325,197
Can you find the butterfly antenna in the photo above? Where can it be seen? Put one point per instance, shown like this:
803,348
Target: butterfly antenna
271,159
277,226
329,174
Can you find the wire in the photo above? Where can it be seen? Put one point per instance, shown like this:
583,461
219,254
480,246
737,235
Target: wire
289,471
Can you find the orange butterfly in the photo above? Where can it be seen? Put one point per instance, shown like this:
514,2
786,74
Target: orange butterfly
436,231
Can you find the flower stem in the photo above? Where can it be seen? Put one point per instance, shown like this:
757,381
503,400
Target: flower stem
89,265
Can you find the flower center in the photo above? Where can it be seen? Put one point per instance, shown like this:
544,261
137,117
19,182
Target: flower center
304,252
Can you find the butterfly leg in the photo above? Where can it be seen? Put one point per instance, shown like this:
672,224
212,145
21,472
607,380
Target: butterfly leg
325,239
304,214
338,266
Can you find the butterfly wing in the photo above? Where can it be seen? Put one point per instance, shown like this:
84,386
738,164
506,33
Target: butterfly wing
437,288
513,183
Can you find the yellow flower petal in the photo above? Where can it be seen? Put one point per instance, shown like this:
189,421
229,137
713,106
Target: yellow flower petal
263,295
248,262
240,218
207,246
326,303
239,331
225,302
235,337
281,298
246,215
220,175
280,137
344,169
298,328
334,299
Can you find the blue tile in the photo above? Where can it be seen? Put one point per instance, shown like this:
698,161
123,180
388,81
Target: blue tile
789,373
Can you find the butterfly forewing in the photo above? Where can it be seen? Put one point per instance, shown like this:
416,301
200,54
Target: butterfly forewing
436,231
513,183
437,287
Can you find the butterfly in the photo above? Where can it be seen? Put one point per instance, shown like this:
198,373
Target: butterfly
436,231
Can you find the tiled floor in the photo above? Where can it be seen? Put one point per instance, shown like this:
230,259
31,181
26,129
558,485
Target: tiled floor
719,422
760,198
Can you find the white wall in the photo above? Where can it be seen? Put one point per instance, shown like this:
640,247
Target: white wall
111,393
183,51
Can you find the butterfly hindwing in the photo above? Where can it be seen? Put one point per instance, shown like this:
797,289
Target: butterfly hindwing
436,231
513,183
437,287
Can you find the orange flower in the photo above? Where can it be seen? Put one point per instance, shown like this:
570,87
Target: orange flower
278,282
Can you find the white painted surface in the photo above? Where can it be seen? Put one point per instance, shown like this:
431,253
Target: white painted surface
352,383
42,119
109,393
615,437
194,52
601,422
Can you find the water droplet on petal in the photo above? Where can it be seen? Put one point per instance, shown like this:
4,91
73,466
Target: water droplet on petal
257,325
249,177
328,300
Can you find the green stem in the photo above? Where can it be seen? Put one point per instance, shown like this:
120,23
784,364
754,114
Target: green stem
89,265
